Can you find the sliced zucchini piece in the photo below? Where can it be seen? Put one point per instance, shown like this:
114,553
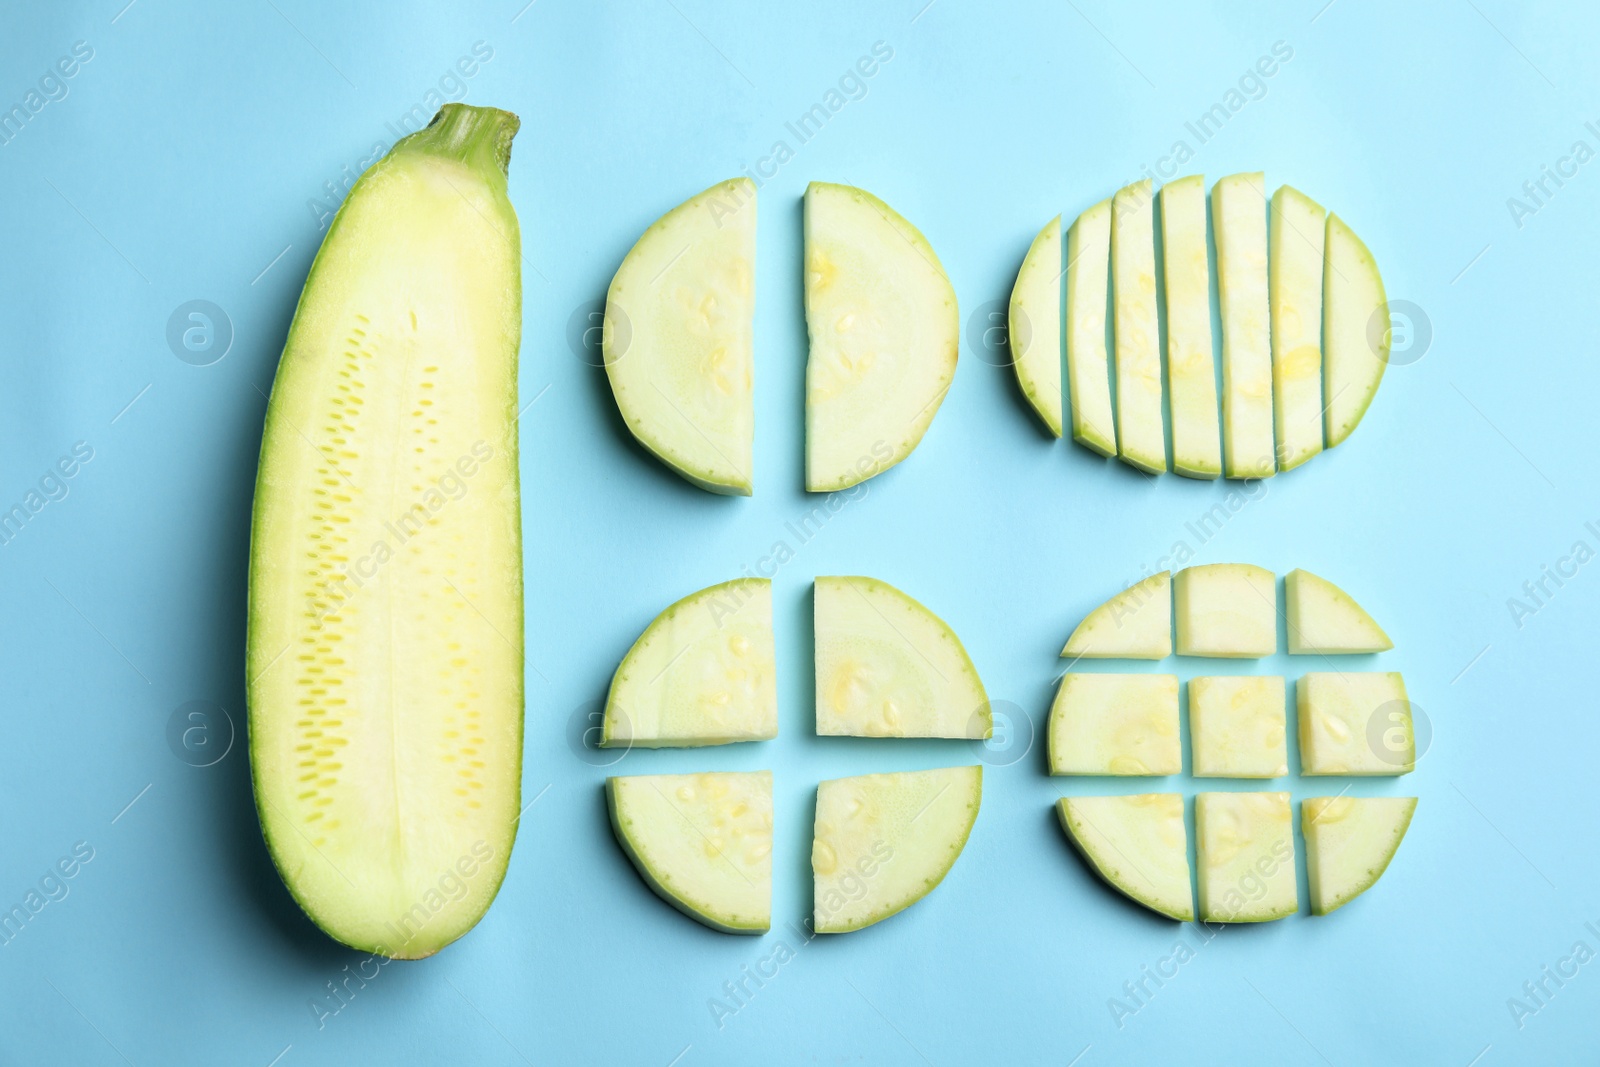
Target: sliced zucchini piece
702,841
885,333
1355,723
1137,844
1141,428
1088,373
1034,326
1325,619
1116,724
883,841
1227,611
1352,301
703,673
1349,843
1239,222
1134,624
1296,241
1246,857
1236,726
1191,372
683,370
385,618
889,667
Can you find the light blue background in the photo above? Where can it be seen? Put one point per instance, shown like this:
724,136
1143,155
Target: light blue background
180,166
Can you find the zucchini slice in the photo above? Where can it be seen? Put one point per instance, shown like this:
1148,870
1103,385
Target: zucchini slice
1236,726
1355,723
889,667
1297,235
1034,326
701,674
1191,372
883,841
1324,619
1088,373
1246,856
1134,624
1357,354
1137,845
701,841
1349,843
1227,611
884,329
1115,724
1141,429
682,369
1239,223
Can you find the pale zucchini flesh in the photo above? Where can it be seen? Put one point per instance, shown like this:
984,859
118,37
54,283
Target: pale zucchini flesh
702,673
1246,857
1349,843
1115,724
1355,723
1325,620
884,336
1239,222
888,667
1226,610
703,842
1034,326
678,345
1088,369
1134,624
1355,327
1236,726
385,621
1141,427
1296,242
884,841
1137,844
1191,372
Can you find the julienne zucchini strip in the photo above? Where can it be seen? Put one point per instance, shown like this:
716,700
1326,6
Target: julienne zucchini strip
1088,275
1136,331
